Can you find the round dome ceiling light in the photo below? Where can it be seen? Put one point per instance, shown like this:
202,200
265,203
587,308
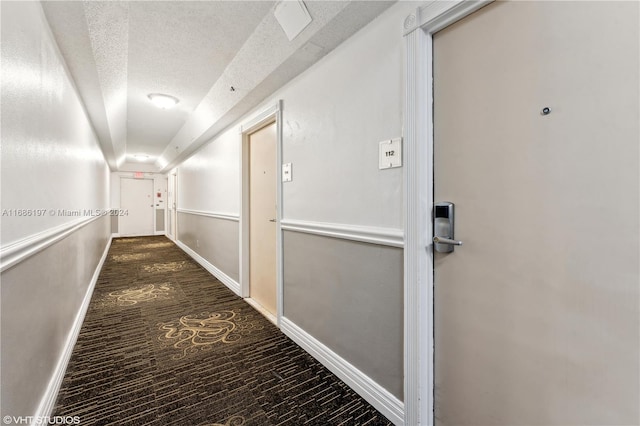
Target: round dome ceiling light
163,101
141,157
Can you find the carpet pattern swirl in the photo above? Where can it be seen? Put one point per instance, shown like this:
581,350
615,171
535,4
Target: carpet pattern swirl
165,343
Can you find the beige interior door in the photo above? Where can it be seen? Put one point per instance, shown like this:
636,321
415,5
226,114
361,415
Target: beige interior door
262,217
136,199
536,314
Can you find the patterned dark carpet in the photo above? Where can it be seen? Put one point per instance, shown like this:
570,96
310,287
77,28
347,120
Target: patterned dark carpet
165,343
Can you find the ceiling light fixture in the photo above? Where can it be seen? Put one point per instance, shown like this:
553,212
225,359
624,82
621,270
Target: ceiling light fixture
141,157
163,101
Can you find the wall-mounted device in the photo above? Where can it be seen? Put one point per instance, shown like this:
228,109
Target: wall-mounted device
443,221
286,172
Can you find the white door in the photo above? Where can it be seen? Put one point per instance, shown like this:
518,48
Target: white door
136,200
262,217
537,313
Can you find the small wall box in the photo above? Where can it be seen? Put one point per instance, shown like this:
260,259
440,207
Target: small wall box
390,154
286,172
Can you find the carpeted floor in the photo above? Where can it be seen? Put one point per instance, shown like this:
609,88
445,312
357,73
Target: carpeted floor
165,343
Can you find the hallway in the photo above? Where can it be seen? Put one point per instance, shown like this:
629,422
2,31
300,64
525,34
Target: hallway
165,343
143,213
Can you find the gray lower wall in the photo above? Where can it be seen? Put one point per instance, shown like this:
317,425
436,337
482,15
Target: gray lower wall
349,296
160,220
114,224
41,297
216,240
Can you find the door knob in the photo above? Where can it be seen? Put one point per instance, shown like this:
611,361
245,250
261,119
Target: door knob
442,240
272,220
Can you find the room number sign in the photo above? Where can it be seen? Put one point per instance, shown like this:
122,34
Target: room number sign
390,153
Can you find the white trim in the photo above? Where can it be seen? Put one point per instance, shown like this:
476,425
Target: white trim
20,250
418,201
224,278
416,175
279,210
48,401
260,119
383,236
172,203
224,216
266,116
372,392
438,15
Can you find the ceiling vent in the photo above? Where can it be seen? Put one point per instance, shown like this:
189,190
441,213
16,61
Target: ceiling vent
293,17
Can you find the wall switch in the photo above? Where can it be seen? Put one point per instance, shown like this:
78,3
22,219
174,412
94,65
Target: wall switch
286,172
390,153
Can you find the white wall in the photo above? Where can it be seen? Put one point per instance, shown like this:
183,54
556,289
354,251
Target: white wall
209,183
210,180
50,156
51,160
334,116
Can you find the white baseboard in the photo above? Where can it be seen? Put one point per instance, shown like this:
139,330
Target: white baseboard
224,278
371,391
48,401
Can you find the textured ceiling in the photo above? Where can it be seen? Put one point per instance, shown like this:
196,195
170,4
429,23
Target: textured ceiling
119,52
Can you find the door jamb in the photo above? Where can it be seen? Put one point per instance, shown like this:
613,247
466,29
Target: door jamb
266,116
172,186
419,28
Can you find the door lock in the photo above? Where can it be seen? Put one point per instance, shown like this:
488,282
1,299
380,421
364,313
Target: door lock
443,221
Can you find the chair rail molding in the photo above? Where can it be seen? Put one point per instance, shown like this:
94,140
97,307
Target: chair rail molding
217,215
18,251
368,234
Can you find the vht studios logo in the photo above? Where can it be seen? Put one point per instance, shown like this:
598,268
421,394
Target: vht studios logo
37,420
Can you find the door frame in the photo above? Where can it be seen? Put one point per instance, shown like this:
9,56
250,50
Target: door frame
261,119
172,210
419,28
153,214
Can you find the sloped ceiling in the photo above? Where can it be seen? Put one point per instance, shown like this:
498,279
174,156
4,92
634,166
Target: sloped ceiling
196,51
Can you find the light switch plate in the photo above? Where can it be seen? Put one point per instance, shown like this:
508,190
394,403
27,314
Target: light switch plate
390,154
286,172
